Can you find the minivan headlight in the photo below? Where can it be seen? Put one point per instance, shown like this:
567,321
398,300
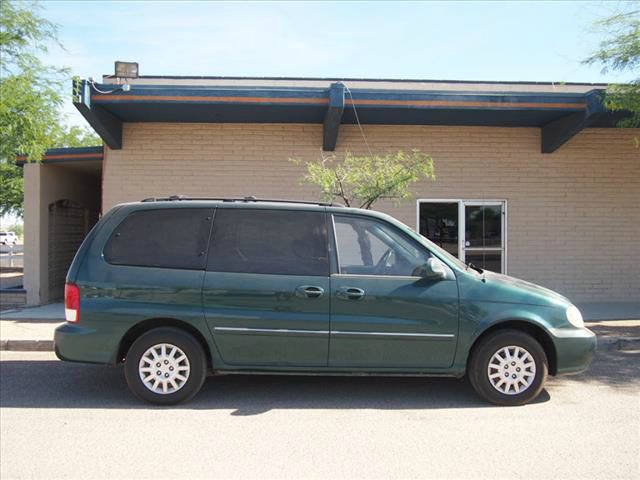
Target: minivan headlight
575,317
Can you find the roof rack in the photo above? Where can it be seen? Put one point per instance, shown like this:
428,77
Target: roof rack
179,198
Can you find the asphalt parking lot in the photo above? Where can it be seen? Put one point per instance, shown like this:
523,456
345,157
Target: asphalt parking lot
63,420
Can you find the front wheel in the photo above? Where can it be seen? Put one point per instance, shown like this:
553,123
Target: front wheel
508,367
165,366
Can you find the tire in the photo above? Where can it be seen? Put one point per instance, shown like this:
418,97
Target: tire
169,359
519,368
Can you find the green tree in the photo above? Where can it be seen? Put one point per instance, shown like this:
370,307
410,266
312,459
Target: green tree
620,51
75,136
29,90
11,184
360,181
30,97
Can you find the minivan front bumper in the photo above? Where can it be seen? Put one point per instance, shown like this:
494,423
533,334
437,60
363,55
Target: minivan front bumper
575,348
75,343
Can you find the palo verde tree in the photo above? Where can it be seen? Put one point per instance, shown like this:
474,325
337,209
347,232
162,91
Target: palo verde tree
30,97
360,181
620,51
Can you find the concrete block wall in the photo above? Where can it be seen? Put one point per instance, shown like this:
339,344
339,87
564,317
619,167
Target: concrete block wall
573,216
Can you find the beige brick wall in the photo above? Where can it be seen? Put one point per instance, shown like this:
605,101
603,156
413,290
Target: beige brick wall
573,216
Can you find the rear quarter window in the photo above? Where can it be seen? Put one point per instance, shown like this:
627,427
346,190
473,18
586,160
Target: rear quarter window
167,238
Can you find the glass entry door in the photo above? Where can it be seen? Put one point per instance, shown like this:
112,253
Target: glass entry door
484,235
473,231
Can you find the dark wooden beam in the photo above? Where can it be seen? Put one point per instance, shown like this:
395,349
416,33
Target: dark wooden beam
106,125
558,132
333,117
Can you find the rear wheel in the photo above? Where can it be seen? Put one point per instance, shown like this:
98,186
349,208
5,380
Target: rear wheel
508,367
165,366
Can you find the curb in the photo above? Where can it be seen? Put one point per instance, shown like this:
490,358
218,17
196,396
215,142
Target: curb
26,345
50,320
606,344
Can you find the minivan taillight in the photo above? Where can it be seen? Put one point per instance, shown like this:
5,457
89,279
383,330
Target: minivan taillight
72,303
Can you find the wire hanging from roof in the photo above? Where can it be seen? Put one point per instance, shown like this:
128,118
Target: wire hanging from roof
355,112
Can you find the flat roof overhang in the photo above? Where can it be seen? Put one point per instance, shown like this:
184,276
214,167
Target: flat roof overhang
560,115
79,159
68,154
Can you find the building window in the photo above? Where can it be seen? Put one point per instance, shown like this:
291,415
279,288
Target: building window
472,230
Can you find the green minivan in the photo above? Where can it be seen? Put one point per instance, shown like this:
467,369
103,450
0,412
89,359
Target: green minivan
179,288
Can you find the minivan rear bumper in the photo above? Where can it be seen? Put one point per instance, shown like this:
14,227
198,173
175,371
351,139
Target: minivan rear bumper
75,343
575,349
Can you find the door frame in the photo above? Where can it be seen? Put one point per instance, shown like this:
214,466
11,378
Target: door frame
462,203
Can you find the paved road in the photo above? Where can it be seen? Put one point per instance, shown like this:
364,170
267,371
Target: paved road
79,421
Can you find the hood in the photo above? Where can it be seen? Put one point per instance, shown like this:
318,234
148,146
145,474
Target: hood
514,290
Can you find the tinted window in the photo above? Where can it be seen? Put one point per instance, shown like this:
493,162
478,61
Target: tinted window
370,247
269,241
483,225
169,238
439,223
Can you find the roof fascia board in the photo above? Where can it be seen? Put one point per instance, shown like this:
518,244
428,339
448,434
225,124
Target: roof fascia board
551,84
68,154
361,97
106,125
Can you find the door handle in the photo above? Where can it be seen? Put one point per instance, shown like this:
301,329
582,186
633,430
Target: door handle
350,293
309,291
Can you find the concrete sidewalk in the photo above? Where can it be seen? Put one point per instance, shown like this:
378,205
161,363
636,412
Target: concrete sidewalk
53,311
31,329
27,336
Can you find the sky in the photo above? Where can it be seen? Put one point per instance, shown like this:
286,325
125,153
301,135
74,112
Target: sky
474,40
477,40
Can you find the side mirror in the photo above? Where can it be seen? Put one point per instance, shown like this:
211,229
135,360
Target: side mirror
432,270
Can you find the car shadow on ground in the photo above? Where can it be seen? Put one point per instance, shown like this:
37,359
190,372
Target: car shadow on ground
619,369
55,384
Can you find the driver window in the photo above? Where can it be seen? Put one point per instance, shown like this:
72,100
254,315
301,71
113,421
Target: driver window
370,247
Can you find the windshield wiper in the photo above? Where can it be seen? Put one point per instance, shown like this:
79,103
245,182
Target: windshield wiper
477,269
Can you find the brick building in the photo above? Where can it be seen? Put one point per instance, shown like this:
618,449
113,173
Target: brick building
532,180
